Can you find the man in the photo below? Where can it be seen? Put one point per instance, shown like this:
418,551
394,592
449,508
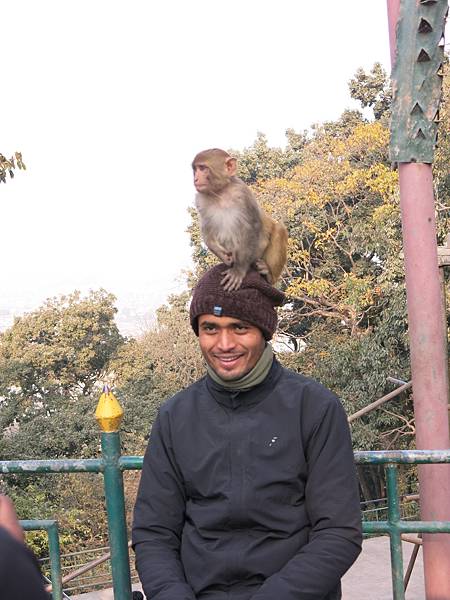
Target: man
248,487
20,578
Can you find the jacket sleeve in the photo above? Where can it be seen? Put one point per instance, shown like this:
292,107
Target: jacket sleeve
332,502
20,577
158,522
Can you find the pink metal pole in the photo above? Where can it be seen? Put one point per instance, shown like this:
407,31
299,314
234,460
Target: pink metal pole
393,8
428,345
428,365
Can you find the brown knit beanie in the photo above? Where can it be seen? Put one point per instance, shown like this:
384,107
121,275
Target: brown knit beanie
253,302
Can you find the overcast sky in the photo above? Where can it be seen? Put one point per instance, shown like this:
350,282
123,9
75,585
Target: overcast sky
108,102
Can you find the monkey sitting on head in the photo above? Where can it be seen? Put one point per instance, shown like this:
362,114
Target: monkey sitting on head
233,225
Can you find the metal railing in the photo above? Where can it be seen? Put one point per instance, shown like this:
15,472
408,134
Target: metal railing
112,464
394,526
87,570
51,527
409,508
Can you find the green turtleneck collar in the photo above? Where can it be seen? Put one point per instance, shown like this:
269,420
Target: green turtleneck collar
252,378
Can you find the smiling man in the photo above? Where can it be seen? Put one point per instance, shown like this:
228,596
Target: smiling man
248,488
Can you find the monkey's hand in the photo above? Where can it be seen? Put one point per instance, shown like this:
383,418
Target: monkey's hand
224,255
232,279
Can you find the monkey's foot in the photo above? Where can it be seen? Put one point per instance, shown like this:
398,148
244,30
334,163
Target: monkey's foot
231,280
261,267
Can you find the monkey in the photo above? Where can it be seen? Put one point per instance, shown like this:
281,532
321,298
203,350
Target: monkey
233,225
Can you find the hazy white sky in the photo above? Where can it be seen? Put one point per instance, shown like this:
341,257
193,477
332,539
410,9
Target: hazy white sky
109,101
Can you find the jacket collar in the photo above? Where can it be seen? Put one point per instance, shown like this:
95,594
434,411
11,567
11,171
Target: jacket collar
236,399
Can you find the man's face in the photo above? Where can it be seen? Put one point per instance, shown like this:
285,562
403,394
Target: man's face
231,347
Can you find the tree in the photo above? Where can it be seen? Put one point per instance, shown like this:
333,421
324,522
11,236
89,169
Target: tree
441,171
345,276
8,166
373,90
260,162
62,347
50,361
342,128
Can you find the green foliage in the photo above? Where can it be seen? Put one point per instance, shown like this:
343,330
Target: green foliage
62,349
259,162
372,90
69,430
75,501
50,363
441,170
336,204
341,128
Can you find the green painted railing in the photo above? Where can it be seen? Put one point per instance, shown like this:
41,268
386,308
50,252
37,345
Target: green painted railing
394,525
112,465
51,527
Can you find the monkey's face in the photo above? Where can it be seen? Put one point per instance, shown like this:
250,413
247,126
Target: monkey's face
202,178
210,178
213,170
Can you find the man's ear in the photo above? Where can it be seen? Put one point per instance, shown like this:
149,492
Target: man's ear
231,165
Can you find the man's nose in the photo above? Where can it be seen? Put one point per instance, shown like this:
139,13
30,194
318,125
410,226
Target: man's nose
226,340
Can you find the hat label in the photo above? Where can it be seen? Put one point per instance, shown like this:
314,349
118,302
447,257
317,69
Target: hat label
217,311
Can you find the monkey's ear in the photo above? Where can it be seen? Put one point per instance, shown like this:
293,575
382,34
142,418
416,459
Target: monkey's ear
231,165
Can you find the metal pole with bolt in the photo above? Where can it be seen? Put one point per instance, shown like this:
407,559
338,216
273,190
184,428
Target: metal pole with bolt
109,415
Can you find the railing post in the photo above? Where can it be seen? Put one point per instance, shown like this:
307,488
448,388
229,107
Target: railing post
109,415
55,561
394,533
51,527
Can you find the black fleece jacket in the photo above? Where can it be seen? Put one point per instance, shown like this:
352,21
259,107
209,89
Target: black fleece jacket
248,495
